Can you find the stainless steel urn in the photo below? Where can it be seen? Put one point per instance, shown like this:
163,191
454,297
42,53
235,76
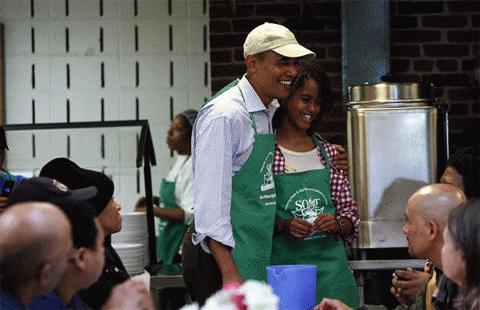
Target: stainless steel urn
397,142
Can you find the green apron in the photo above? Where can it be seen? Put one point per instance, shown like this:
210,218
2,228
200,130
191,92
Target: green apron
170,235
253,209
307,195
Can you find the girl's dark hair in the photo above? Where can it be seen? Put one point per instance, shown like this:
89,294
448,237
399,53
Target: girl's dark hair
464,228
309,69
466,160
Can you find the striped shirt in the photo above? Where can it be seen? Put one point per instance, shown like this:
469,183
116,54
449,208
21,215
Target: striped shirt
222,141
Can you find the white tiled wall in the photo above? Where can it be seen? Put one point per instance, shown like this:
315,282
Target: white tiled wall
160,35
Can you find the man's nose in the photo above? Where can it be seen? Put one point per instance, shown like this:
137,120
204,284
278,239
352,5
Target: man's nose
293,68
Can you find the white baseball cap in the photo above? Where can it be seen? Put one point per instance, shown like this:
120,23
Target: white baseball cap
274,37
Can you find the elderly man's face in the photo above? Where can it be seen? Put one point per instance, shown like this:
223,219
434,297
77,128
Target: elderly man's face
416,231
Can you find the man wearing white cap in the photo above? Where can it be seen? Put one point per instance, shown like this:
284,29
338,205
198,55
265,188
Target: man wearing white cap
233,144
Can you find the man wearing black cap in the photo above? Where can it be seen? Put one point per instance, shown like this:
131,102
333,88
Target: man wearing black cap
108,215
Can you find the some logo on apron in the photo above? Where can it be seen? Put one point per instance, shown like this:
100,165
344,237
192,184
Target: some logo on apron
266,170
306,200
307,204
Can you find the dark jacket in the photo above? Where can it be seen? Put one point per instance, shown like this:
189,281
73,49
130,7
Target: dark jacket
113,273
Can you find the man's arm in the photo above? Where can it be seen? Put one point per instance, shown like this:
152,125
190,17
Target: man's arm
341,160
174,215
213,154
224,259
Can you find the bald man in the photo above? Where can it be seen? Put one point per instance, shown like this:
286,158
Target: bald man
426,216
35,242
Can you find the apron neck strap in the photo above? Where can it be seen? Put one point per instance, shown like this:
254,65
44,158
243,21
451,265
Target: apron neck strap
322,151
254,123
252,118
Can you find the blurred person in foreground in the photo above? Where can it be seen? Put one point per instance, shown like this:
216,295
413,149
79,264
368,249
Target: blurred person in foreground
461,253
109,218
35,244
426,218
87,258
316,211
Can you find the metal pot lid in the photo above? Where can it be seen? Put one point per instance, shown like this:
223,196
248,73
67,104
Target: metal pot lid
388,92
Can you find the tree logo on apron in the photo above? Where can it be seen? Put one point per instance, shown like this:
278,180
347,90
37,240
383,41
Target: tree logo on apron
266,170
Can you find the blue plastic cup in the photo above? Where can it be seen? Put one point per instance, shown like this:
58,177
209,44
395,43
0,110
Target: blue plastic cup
295,285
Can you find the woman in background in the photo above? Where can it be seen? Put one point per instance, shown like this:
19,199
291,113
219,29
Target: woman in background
315,207
176,193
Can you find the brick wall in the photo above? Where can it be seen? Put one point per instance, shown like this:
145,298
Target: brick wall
438,42
431,41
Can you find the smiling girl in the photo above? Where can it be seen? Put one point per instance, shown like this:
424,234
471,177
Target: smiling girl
314,202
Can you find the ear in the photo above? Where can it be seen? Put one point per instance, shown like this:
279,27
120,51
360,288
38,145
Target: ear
434,230
44,274
81,258
250,62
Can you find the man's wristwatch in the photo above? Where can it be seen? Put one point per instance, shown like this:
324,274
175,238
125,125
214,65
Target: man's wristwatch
341,224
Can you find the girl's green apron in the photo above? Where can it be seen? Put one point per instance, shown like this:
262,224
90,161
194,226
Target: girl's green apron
252,212
170,235
307,195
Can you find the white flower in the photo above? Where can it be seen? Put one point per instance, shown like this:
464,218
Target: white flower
257,296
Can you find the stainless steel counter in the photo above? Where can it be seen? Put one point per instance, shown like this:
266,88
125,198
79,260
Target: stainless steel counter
158,282
384,264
